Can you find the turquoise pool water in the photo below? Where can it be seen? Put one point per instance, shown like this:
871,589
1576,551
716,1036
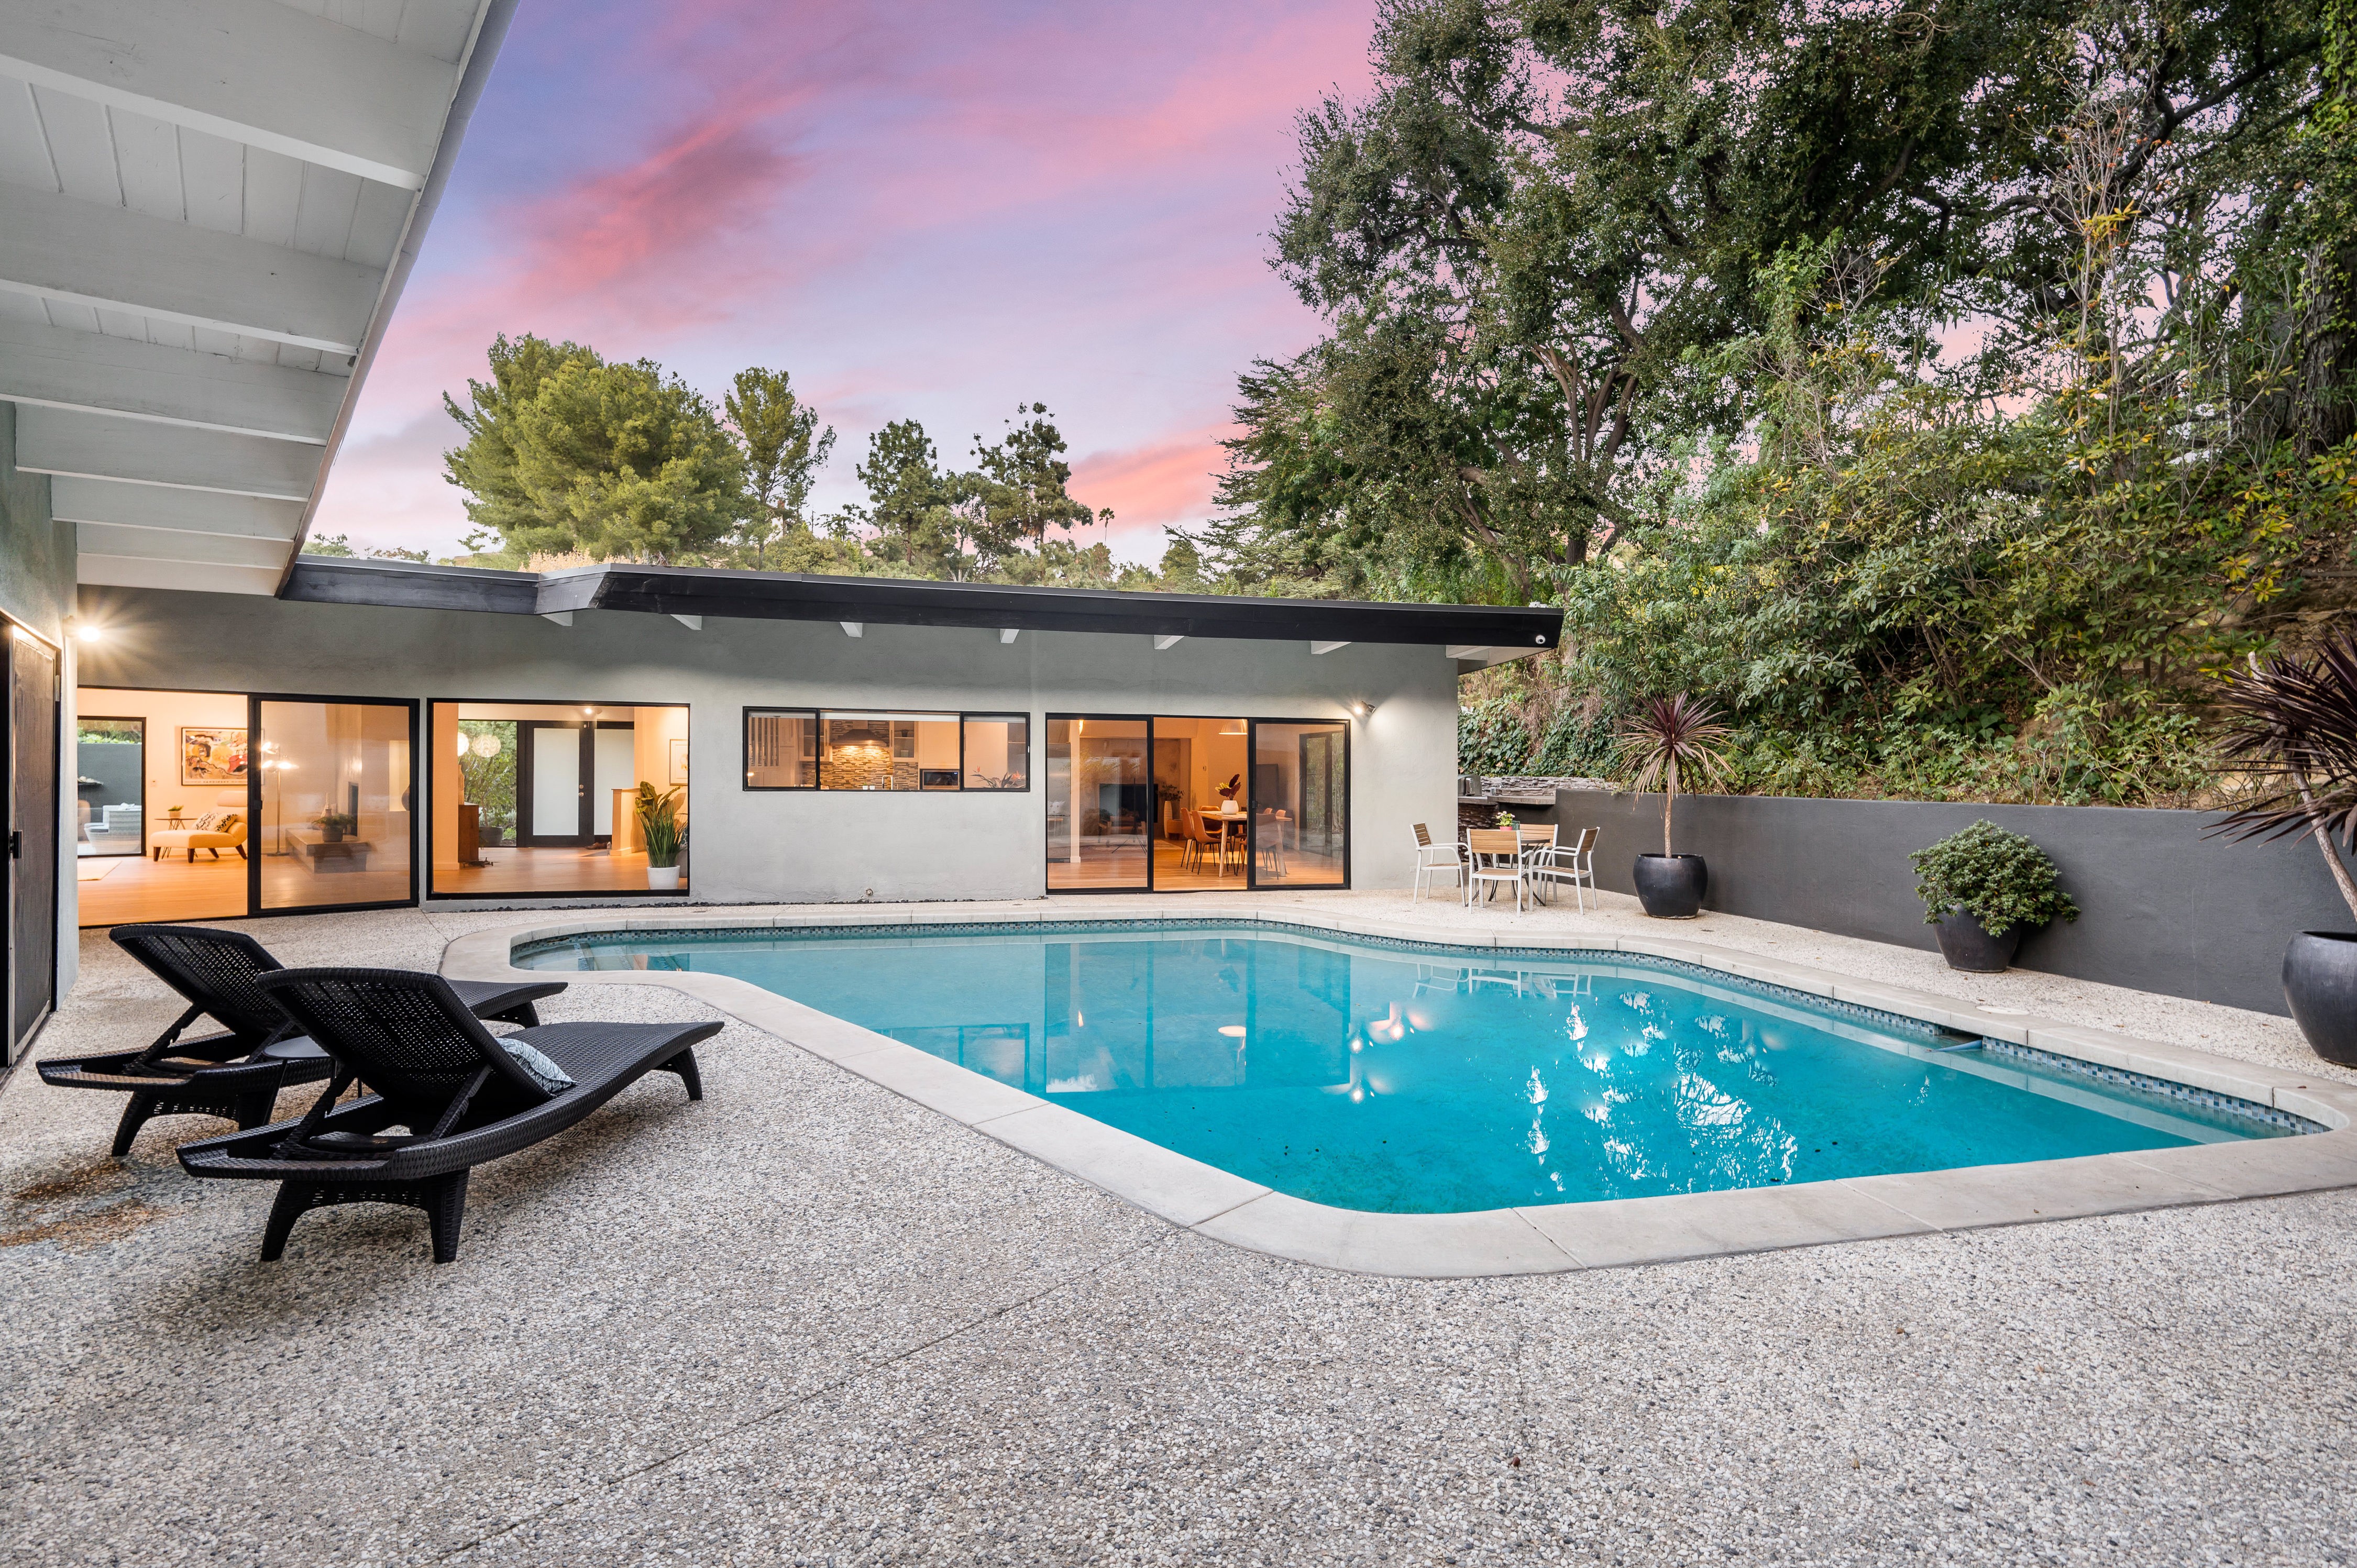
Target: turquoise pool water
1408,1079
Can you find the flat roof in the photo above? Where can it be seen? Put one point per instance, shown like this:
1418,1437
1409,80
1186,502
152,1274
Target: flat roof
1473,633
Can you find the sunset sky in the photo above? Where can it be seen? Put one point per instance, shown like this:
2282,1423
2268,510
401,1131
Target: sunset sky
920,209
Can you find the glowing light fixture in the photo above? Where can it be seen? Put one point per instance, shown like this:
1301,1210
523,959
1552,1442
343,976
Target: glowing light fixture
486,745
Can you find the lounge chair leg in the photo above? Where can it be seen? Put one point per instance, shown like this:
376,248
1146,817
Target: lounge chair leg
255,1110
523,1013
293,1201
134,1116
683,1064
445,1207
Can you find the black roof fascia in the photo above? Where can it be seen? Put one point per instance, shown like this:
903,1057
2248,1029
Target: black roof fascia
895,601
407,584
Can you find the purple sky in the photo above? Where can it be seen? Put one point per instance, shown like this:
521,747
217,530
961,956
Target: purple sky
920,209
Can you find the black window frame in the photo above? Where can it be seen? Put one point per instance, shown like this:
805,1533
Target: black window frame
745,753
817,716
986,716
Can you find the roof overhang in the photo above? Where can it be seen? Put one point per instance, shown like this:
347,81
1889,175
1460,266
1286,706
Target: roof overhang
1474,635
208,210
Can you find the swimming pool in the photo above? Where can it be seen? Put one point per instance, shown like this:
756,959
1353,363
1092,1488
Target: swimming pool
1402,1077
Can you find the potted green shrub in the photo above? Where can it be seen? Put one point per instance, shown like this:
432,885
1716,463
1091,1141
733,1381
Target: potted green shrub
334,825
1668,739
659,829
2292,732
1982,887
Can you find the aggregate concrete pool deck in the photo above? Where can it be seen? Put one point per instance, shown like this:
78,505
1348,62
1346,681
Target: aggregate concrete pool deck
809,1320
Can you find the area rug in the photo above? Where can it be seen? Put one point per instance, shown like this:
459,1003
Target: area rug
90,867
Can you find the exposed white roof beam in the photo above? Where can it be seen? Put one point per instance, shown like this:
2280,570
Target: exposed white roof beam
1007,634
1327,647
255,71
693,623
562,617
177,544
853,628
94,447
91,370
134,572
153,506
54,247
1162,642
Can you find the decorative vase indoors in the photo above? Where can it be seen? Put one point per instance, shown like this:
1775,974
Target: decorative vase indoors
2320,981
662,878
1671,886
1967,945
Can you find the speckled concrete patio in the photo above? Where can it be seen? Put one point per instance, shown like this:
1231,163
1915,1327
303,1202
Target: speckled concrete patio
809,1321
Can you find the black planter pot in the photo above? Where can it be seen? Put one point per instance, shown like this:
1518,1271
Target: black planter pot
2319,981
1967,944
1671,886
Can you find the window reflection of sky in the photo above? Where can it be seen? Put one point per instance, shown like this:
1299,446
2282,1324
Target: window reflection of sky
1371,1079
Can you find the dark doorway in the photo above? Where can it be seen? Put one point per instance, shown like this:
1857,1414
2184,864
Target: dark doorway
32,844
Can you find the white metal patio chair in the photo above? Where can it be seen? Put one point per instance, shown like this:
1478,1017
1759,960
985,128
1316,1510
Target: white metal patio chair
1494,857
1574,862
1434,860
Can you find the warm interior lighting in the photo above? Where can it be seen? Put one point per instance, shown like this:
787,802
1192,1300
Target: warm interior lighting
486,745
88,631
465,745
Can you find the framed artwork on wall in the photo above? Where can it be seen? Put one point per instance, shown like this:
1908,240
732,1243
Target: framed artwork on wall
210,755
678,762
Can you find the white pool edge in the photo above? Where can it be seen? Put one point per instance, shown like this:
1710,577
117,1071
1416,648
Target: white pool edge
1540,1240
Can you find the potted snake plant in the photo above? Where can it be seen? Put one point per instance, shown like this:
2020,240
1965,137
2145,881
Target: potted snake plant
2292,732
659,829
1668,740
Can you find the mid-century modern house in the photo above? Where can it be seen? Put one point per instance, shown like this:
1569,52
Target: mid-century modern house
207,213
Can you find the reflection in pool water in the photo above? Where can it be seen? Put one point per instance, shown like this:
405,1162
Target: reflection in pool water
1431,1082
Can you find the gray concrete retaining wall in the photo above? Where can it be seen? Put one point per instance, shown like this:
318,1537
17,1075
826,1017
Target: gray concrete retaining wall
2162,909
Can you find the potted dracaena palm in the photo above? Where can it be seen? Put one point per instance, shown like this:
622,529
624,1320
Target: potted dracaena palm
2292,732
1669,741
659,829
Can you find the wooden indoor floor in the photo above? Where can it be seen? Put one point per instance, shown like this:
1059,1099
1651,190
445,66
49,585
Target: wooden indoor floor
546,871
137,889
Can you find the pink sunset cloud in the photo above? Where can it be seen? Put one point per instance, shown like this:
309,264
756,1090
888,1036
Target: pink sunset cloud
921,210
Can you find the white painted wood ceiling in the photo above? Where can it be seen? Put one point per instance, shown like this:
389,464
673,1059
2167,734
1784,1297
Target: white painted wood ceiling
201,204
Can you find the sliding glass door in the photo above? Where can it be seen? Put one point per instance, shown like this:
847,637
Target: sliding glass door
1186,805
1301,804
1100,805
335,793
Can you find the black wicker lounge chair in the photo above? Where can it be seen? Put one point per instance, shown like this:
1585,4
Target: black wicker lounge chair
236,1075
438,1073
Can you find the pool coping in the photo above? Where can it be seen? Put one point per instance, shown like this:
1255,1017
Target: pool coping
1546,1239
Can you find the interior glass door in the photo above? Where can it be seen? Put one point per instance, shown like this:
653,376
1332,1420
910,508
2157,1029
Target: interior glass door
1301,804
336,787
1100,805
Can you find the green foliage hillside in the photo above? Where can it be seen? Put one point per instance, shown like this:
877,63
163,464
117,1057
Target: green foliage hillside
1950,392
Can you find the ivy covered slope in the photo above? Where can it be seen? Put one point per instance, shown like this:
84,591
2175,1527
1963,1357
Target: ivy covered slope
1950,392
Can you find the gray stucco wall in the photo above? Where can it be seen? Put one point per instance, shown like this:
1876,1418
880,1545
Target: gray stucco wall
2162,907
751,846
36,554
37,588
